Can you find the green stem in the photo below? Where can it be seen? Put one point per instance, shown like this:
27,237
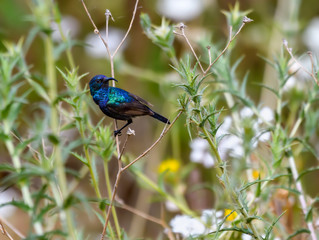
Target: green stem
24,188
184,208
233,193
58,161
68,50
93,177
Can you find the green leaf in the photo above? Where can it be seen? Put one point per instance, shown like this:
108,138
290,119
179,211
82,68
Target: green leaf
269,230
309,170
53,138
39,90
81,158
4,167
274,91
22,145
252,183
300,231
19,204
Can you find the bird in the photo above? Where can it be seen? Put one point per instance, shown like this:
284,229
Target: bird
119,104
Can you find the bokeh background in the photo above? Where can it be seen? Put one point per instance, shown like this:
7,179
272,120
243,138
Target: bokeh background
143,69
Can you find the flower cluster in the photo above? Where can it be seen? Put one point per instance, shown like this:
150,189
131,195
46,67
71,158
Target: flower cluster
193,227
200,153
249,130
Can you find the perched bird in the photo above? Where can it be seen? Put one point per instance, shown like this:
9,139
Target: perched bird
118,103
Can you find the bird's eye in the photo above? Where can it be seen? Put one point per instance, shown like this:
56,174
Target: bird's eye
98,81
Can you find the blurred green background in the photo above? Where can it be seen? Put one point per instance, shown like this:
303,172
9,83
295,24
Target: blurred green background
144,70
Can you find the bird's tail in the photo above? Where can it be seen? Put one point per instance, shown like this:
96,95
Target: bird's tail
160,117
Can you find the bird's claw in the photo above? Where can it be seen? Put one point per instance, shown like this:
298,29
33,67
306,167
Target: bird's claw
117,132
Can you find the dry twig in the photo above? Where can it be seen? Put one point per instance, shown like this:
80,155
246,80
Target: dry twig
312,73
165,130
4,231
211,63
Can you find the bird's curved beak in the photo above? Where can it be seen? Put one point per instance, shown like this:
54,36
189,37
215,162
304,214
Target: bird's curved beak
110,78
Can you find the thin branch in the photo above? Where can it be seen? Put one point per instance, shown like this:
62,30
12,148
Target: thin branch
124,146
165,130
312,62
118,176
96,30
289,50
231,39
301,196
128,30
122,205
4,231
182,27
122,169
209,54
108,14
111,56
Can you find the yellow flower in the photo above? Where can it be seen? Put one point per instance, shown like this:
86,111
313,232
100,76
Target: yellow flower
171,165
255,174
232,216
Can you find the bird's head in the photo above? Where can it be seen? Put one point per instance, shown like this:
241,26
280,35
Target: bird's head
99,81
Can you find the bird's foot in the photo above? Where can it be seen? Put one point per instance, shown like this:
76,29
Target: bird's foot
117,132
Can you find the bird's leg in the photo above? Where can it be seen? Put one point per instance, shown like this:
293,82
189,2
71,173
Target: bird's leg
119,131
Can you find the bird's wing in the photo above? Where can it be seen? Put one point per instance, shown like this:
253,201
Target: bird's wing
139,99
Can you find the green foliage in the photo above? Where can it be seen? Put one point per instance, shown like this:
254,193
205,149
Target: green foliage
53,144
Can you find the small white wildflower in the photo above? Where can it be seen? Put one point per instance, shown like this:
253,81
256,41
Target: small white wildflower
180,10
290,84
211,218
187,226
200,153
246,112
231,144
267,114
264,137
246,237
191,227
224,128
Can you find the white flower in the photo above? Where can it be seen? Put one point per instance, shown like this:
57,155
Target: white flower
200,153
267,114
180,10
224,128
230,143
96,48
191,227
187,226
311,35
246,112
70,26
246,237
210,217
264,137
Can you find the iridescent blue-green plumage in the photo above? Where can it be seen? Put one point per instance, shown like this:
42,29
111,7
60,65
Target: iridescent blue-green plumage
118,103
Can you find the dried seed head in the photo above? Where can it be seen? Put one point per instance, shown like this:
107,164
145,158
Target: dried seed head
247,20
130,132
181,26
